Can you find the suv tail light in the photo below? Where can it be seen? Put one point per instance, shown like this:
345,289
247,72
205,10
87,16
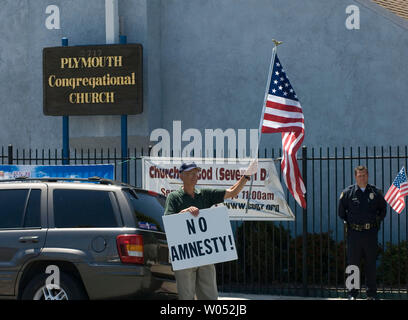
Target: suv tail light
130,248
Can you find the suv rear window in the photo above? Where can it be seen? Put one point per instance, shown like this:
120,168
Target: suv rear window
17,212
83,209
147,208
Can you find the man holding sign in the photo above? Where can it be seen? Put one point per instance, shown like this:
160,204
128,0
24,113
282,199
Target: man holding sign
199,281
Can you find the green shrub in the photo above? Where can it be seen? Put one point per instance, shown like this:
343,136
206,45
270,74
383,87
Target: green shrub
393,266
269,255
325,259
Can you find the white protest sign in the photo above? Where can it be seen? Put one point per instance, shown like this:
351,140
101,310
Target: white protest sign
267,199
197,241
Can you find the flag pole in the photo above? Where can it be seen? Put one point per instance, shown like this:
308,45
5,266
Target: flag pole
268,83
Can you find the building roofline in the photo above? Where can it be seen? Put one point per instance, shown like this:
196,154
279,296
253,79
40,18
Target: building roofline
389,15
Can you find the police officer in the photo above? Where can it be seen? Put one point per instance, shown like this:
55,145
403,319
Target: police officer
362,207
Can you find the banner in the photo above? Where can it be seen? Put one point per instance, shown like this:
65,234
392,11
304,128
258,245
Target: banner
106,171
267,199
197,241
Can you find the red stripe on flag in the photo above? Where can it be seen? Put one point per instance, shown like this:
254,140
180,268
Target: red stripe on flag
272,117
281,129
284,107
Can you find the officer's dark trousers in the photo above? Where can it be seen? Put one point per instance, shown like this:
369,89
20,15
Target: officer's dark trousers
363,244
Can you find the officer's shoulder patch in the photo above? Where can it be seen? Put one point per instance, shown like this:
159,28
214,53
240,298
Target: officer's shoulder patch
346,192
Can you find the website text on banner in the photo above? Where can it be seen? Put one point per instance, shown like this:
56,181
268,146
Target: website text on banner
267,197
202,240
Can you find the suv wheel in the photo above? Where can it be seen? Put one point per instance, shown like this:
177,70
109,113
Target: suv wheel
69,289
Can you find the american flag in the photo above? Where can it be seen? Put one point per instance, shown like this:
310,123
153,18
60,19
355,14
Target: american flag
283,113
398,190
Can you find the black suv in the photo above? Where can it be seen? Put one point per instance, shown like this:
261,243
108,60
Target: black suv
103,239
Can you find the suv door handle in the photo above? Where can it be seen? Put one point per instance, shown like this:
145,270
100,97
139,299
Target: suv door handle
28,239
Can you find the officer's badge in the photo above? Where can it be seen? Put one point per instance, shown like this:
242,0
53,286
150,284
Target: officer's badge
342,194
371,196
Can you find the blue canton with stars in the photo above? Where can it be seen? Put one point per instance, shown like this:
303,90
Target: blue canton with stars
280,85
401,178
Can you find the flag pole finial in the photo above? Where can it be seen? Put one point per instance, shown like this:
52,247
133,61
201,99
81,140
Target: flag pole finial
276,42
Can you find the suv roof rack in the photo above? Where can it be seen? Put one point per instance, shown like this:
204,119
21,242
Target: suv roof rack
56,179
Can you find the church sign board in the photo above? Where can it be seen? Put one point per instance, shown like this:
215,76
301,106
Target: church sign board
93,80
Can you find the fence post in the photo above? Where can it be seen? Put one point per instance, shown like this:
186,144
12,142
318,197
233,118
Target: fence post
10,154
124,134
304,253
65,125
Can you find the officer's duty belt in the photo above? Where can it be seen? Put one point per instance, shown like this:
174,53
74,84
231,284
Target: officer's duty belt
362,227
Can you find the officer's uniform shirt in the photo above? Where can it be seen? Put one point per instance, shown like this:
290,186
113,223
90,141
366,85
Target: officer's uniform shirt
361,207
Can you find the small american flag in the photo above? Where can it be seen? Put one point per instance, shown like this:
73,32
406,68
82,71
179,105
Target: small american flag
283,113
398,190
147,225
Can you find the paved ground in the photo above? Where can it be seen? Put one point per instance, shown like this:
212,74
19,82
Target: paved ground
242,296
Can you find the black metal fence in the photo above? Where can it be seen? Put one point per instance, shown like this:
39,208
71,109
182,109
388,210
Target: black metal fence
276,257
302,257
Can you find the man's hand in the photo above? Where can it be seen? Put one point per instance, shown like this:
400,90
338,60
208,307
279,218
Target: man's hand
252,168
239,185
193,210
